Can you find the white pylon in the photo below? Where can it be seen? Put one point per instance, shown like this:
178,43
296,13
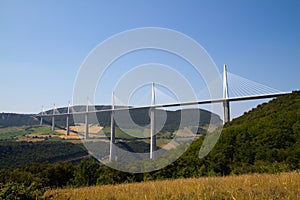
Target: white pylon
225,83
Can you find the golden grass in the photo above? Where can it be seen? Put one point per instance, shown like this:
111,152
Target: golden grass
81,128
94,131
255,186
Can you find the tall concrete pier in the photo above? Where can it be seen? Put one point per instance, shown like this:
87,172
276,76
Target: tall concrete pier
41,122
112,131
226,105
53,118
152,126
86,135
68,121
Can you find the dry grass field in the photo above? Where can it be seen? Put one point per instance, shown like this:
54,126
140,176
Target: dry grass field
94,131
254,186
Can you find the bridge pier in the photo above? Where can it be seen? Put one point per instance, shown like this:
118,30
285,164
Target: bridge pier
41,119
53,123
112,132
226,106
152,126
67,126
86,135
53,119
67,121
226,110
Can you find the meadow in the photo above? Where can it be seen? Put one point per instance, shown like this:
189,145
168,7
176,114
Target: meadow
251,186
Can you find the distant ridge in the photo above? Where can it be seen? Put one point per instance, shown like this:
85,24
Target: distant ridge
13,119
139,116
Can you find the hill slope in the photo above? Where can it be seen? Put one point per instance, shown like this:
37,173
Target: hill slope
13,119
268,135
266,139
256,186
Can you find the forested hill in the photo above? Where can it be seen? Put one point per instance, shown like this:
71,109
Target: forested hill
266,137
13,119
284,107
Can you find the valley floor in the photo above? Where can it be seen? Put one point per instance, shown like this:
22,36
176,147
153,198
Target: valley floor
254,186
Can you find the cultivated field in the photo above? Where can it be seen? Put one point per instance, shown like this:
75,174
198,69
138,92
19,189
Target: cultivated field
94,131
255,186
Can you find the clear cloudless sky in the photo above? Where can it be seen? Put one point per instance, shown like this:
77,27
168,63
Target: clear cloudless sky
43,43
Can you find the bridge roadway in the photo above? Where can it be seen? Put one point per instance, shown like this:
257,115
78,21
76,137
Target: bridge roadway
233,99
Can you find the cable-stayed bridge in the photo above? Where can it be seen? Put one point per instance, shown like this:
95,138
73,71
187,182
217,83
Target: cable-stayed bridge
235,88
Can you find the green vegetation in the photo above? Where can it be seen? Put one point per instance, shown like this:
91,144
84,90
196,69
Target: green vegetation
40,130
29,182
22,153
266,139
12,119
119,133
13,133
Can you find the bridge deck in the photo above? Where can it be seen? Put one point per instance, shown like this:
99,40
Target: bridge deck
264,96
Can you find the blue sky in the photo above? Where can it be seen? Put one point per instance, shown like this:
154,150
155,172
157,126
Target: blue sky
43,43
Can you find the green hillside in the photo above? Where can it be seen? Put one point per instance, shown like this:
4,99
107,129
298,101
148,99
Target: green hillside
24,153
13,119
266,137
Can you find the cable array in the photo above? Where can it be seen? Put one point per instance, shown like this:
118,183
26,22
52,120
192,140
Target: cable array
242,87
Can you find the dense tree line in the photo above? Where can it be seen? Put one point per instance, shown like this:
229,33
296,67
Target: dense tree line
265,139
21,153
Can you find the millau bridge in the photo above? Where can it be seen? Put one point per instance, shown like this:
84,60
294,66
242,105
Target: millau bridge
257,91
